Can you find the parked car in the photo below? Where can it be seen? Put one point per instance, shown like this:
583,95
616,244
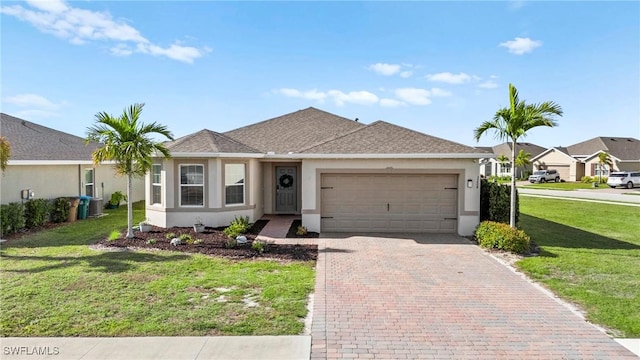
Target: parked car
624,178
542,176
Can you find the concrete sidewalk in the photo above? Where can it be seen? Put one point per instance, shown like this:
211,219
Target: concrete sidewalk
596,195
157,348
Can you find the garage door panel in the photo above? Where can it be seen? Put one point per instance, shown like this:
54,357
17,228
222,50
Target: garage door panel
388,203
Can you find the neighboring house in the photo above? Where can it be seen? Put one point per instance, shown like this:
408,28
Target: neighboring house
338,174
492,166
51,164
581,159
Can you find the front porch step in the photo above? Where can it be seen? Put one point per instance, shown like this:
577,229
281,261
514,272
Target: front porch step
277,227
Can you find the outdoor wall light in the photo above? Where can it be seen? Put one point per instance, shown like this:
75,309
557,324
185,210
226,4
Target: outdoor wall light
469,183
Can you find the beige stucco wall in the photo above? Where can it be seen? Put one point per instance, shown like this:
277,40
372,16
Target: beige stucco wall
214,213
617,166
51,181
557,158
468,198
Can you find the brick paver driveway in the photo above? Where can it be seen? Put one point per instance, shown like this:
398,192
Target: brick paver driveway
438,297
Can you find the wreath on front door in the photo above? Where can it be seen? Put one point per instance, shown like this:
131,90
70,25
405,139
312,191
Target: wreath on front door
286,181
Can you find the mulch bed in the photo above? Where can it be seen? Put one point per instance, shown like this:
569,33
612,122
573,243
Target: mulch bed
294,228
214,244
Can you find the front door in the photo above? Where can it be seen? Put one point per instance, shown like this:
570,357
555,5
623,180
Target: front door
286,189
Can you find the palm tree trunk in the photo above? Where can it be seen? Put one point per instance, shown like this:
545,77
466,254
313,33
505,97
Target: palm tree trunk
512,212
129,207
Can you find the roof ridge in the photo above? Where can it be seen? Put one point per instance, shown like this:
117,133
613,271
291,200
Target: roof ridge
366,126
421,133
228,138
31,126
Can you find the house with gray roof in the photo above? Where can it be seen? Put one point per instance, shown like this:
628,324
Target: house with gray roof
336,173
492,166
581,159
51,163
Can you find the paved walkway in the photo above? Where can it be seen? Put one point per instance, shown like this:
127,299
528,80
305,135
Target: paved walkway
277,227
438,298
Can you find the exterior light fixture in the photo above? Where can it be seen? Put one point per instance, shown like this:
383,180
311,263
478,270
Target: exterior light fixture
469,183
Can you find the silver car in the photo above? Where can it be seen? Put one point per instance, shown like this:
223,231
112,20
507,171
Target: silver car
628,179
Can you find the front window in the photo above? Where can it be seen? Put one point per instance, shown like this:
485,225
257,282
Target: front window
505,167
156,184
602,170
192,185
234,178
88,182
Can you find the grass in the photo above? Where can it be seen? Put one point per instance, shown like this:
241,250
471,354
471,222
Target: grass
53,284
567,186
590,256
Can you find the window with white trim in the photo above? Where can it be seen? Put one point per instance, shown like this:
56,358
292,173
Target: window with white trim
156,184
88,182
234,180
192,185
604,168
505,167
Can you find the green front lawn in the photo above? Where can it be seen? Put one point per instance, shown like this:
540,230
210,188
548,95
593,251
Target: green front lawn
54,284
568,186
590,256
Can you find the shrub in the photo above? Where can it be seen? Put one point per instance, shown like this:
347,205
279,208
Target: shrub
60,210
302,231
495,202
186,238
231,243
114,235
152,241
198,241
260,246
239,225
495,235
11,218
36,212
170,236
587,179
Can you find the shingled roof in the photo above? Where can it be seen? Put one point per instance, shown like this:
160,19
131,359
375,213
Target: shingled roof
207,141
30,141
505,149
384,138
623,148
293,132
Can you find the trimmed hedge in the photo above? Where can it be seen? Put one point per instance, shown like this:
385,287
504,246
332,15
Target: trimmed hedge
495,235
495,202
36,212
60,210
11,218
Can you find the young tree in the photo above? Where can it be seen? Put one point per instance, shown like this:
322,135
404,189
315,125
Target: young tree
604,159
512,123
5,153
127,142
523,159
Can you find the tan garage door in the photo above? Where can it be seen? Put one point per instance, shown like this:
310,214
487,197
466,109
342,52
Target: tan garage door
389,203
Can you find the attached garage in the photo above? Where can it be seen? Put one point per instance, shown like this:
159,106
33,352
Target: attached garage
389,203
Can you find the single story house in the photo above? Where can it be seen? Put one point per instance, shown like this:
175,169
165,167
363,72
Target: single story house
581,159
340,175
50,163
491,166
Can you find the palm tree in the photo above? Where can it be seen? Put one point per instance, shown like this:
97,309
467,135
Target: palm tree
5,152
604,159
502,159
523,159
126,141
512,123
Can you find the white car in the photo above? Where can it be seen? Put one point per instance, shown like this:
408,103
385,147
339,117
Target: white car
624,178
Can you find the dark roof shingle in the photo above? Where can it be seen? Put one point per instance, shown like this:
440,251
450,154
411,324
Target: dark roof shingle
207,141
623,148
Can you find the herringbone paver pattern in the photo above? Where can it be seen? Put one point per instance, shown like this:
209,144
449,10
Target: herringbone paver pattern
439,298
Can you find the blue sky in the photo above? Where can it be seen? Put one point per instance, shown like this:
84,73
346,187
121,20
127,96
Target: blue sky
437,67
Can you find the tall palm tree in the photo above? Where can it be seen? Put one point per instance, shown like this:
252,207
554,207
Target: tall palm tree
5,152
127,142
523,159
512,123
604,159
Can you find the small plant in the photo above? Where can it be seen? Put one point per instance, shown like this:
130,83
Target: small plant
260,246
494,235
198,241
114,235
170,236
116,198
152,241
231,243
186,238
36,212
302,231
239,225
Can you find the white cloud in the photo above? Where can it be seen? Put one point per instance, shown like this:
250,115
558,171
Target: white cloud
80,26
355,97
414,96
521,46
385,69
489,84
309,95
36,114
449,78
439,92
391,103
31,100
406,74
